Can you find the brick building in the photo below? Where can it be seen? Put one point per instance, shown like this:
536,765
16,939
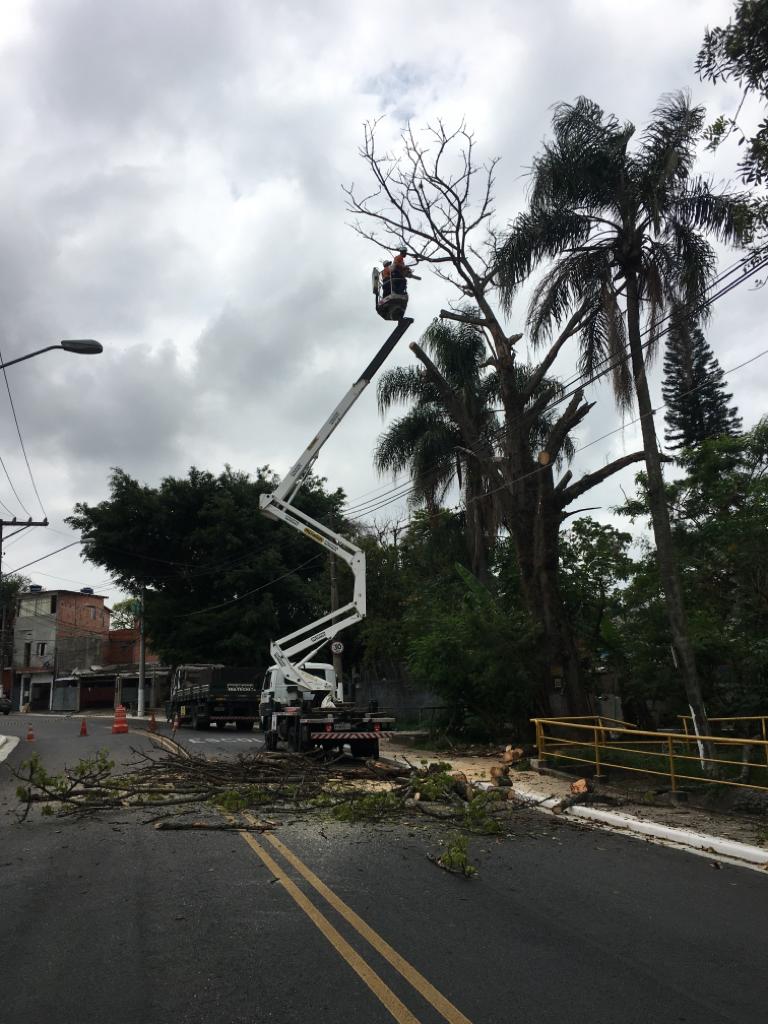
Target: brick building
55,633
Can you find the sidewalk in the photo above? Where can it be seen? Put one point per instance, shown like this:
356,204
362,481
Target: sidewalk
729,837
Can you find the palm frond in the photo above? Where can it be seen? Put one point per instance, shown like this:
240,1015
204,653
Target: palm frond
404,384
564,287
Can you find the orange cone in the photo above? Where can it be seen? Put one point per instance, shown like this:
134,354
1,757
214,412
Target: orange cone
83,728
120,723
30,733
152,722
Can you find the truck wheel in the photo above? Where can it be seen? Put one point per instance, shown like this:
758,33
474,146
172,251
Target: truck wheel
243,726
198,722
364,748
270,740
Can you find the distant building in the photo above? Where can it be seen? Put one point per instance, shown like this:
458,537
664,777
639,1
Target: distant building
56,632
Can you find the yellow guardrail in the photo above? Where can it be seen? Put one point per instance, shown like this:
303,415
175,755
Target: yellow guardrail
605,743
760,721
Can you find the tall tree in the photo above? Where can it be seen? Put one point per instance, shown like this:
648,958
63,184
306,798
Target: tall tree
221,581
625,228
739,52
694,387
434,197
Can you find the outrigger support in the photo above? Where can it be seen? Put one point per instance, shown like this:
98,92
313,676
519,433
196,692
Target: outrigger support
278,505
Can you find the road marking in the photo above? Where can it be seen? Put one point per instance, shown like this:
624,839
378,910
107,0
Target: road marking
401,965
380,989
7,744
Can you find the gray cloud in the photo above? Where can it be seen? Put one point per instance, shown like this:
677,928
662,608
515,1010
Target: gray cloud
170,184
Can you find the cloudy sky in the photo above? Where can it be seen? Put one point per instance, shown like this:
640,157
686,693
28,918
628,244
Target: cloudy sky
170,185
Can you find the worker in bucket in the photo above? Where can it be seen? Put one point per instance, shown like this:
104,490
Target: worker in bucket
399,272
386,279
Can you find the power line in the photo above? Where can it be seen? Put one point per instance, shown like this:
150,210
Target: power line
541,469
21,442
748,268
43,557
241,597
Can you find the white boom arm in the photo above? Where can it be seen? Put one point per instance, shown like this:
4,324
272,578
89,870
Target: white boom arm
277,505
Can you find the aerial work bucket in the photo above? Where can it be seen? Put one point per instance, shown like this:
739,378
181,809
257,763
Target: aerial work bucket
390,295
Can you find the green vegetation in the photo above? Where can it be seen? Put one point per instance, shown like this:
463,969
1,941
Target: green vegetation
456,857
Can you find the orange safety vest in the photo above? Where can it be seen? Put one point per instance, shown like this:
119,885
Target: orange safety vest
385,274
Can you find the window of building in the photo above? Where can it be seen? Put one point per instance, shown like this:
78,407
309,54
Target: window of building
92,611
27,654
41,648
53,604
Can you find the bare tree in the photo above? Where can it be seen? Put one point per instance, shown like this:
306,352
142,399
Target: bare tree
434,198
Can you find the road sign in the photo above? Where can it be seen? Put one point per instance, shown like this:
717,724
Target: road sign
337,647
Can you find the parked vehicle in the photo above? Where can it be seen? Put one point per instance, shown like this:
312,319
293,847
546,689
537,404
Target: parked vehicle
205,695
320,718
5,706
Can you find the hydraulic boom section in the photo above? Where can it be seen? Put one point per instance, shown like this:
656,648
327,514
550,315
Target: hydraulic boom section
300,646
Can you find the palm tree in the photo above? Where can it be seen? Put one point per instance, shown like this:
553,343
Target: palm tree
427,443
627,228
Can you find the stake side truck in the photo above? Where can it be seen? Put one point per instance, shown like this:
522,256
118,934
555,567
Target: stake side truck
204,695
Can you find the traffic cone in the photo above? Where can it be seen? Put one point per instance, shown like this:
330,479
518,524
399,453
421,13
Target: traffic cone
83,728
120,723
30,733
152,722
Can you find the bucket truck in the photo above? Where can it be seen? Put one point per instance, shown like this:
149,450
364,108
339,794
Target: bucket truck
302,702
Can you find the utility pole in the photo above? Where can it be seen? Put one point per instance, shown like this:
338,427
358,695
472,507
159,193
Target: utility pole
142,659
22,525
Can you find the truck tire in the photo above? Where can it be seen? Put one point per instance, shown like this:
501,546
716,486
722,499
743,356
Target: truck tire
364,748
198,722
242,726
270,740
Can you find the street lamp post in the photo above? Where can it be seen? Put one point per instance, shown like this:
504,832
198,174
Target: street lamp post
81,346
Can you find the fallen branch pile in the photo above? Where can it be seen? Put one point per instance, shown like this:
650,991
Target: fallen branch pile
172,783
172,779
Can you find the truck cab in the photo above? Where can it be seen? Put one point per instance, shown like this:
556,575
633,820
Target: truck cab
279,692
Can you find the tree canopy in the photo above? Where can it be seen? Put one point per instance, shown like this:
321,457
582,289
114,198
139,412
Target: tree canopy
220,580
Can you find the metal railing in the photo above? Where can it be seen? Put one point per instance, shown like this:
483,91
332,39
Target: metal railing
687,721
610,743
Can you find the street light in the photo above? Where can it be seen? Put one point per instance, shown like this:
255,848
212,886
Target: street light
83,347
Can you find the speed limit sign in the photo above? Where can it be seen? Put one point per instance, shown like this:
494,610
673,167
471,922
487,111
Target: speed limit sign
337,647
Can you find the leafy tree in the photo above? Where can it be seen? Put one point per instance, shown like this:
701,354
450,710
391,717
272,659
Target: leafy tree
739,52
626,230
221,580
694,388
125,614
720,519
596,565
11,585
477,653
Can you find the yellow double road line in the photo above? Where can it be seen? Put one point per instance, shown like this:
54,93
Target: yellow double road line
380,989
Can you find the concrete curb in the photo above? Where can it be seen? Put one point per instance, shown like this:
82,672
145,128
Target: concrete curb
695,842
7,744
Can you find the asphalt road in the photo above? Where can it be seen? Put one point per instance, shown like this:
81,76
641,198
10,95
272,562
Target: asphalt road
114,921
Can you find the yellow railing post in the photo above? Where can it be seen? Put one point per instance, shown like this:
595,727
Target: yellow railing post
765,738
671,752
540,742
596,731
